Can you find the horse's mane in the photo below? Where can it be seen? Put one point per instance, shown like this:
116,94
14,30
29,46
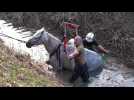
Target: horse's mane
38,31
44,30
52,36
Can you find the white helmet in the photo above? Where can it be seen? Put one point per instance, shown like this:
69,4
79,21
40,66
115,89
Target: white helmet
90,37
71,42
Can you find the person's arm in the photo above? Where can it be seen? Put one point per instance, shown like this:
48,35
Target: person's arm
75,53
100,47
103,49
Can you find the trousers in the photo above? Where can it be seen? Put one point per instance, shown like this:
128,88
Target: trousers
80,70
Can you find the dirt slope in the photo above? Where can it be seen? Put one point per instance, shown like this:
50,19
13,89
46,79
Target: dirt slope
20,71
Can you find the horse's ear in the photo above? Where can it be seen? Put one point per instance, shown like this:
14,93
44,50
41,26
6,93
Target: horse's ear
44,35
43,28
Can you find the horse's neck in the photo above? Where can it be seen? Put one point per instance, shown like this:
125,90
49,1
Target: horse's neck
52,43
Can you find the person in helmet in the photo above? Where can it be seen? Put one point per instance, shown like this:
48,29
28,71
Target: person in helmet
81,69
89,42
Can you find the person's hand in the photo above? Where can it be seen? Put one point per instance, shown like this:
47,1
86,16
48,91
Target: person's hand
107,52
70,57
110,53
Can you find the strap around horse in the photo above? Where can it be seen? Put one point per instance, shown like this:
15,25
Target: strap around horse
55,50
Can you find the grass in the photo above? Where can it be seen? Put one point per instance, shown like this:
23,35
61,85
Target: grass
18,70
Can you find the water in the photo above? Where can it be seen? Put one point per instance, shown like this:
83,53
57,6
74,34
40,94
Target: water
107,78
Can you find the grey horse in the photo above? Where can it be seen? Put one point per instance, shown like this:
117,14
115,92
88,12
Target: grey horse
42,37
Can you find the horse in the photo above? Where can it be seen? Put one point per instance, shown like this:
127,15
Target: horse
52,43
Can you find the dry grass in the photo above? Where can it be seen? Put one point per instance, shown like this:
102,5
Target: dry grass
18,70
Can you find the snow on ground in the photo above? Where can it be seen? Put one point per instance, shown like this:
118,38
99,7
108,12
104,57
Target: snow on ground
113,77
38,53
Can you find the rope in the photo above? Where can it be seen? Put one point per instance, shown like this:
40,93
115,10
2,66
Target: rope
65,33
55,50
58,52
4,35
59,59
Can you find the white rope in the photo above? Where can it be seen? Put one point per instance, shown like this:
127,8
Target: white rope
1,34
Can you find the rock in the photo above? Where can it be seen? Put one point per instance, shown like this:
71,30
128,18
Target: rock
8,85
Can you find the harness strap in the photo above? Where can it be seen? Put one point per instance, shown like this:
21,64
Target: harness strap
57,51
59,58
53,52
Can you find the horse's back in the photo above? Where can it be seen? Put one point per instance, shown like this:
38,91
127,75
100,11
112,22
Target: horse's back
93,60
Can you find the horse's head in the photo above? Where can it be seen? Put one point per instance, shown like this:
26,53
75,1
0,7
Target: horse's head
40,37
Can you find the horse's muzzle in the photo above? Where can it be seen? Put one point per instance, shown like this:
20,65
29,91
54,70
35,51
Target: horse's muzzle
48,62
28,45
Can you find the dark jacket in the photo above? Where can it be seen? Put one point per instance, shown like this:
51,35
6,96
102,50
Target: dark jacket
90,45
